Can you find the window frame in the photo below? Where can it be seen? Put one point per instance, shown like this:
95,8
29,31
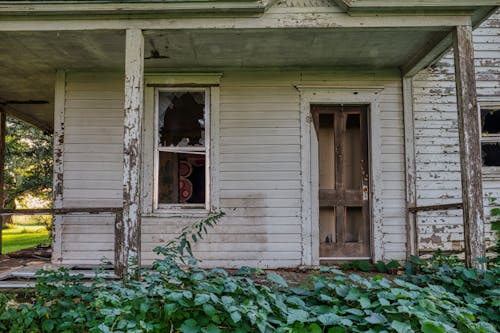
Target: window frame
488,171
158,149
154,82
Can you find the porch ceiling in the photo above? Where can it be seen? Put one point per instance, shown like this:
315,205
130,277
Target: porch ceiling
29,59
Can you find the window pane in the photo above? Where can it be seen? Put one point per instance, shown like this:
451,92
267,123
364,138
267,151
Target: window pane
490,121
326,142
181,178
490,153
353,153
181,120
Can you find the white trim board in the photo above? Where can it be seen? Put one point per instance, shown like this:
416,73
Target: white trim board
367,95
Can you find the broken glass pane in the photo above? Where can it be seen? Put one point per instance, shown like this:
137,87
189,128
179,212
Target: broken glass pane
181,118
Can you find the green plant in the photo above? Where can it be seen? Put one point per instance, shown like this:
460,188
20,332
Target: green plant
178,296
495,226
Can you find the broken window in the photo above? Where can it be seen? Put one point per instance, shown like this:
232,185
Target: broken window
181,142
490,136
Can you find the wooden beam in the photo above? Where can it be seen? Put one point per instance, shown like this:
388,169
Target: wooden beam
268,21
434,50
410,167
128,230
26,117
58,174
470,146
2,167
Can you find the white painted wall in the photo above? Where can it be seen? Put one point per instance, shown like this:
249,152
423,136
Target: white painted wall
93,157
436,131
260,187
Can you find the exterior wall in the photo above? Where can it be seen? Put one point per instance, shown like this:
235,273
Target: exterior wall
259,168
93,159
436,139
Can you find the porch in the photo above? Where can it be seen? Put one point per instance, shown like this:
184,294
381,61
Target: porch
358,51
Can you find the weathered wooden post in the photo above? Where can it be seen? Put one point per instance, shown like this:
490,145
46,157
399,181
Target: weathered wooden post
2,167
127,233
470,146
58,175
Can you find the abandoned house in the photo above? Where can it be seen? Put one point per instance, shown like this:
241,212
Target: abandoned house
325,130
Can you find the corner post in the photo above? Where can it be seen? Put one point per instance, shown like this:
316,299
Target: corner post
411,187
2,168
470,147
58,176
128,230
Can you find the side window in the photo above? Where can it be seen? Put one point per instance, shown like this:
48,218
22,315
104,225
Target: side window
181,141
490,136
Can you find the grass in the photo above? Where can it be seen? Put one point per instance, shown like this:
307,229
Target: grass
18,237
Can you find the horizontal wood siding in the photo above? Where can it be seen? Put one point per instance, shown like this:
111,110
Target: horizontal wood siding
260,188
93,150
436,131
259,168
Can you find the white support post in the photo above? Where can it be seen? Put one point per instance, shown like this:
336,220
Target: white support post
128,230
58,175
410,166
470,146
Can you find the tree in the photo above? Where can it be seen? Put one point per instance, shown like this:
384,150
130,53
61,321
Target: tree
28,163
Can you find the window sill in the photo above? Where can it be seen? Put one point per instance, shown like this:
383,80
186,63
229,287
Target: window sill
179,213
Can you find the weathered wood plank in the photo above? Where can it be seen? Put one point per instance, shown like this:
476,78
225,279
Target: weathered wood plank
128,230
410,166
58,174
470,147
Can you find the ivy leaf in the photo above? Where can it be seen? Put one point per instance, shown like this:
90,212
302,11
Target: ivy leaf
400,327
211,329
314,328
365,302
431,327
189,326
376,318
277,279
297,315
209,310
235,316
48,325
328,319
200,299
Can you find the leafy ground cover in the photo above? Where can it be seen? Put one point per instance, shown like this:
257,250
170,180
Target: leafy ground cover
18,237
177,296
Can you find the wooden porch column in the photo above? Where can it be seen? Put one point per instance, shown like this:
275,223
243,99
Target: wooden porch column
410,166
128,230
2,167
470,147
58,175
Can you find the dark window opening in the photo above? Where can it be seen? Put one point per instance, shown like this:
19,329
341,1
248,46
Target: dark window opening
490,136
181,147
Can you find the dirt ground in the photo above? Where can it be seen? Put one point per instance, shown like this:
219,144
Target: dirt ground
41,255
35,255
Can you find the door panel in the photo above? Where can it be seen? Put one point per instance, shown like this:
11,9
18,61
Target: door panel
343,180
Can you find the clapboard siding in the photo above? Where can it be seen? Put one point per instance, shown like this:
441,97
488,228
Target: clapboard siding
436,141
259,168
93,157
259,177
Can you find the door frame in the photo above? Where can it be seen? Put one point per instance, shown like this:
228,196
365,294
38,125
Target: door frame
334,95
